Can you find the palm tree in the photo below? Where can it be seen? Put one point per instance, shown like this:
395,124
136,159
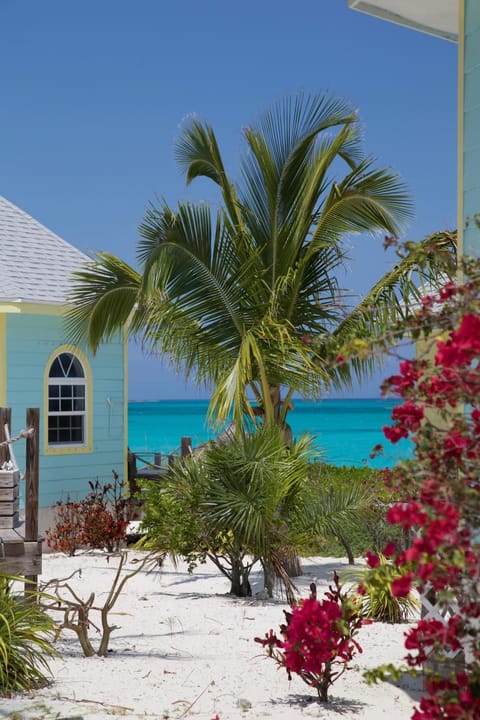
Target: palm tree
234,297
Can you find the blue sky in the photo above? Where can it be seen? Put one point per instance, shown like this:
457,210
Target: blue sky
93,94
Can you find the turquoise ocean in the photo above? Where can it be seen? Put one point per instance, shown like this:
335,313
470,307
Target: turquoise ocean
345,431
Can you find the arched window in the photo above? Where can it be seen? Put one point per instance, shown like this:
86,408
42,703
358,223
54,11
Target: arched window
67,401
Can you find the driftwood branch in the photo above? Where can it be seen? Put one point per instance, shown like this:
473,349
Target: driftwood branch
76,611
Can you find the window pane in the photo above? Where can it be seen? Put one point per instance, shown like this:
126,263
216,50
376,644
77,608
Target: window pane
65,362
76,369
56,369
79,405
53,391
53,405
66,391
79,391
66,405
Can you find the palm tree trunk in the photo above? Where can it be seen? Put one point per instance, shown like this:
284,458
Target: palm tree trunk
268,577
292,564
239,582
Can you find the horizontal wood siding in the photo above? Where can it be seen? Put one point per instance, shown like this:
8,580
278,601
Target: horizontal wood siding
471,125
31,341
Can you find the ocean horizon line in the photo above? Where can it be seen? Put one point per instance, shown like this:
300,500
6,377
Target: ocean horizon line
296,400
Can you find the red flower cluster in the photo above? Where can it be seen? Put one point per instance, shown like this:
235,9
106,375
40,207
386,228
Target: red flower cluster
453,699
318,639
440,490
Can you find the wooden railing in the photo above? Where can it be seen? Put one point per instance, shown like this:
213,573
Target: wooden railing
153,465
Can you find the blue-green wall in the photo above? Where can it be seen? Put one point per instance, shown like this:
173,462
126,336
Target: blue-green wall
31,339
471,127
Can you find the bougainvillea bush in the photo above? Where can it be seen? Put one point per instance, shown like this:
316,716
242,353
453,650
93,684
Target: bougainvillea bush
439,502
318,639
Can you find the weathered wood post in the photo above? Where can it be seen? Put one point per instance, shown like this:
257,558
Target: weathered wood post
157,459
185,446
21,548
132,472
133,487
5,419
33,546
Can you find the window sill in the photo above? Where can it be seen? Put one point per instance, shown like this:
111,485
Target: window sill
67,449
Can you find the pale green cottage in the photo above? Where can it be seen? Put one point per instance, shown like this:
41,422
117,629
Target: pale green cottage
82,398
457,21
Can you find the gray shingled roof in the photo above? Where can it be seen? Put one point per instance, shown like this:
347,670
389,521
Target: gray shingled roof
35,264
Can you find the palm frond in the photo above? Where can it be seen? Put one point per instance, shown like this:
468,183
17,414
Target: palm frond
332,510
397,294
105,298
366,200
198,155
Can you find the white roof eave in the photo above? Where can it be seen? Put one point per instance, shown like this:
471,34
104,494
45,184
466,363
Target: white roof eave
434,17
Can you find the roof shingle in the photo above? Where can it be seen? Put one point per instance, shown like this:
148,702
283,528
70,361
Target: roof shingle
35,264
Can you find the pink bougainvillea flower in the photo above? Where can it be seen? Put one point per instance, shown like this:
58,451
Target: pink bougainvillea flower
373,560
401,586
389,549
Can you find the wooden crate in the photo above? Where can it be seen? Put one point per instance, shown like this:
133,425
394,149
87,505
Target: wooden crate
9,478
9,494
9,521
9,503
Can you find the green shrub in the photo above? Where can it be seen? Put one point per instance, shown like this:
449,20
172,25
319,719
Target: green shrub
26,636
369,531
378,602
232,504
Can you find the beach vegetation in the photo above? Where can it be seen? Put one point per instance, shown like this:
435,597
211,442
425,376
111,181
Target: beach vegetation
98,521
379,603
317,641
249,500
231,503
369,529
26,640
247,299
77,611
439,498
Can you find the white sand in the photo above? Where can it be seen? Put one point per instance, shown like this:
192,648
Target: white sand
184,649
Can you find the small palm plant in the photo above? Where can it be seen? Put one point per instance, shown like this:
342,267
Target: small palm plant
232,504
250,499
26,636
375,581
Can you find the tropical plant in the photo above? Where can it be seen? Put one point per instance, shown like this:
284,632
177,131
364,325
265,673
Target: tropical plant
369,530
375,588
230,503
26,636
248,299
250,499
439,499
97,521
333,511
318,638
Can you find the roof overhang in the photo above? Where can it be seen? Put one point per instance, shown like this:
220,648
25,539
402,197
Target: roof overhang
435,17
18,305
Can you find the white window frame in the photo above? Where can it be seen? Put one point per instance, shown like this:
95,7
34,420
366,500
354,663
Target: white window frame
62,398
